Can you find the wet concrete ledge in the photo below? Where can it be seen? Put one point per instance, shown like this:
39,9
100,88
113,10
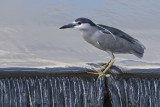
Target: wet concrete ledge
77,71
49,72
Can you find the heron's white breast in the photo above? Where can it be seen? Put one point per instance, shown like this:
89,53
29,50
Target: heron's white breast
92,37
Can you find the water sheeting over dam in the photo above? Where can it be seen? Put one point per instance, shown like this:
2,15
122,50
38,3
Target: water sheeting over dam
73,87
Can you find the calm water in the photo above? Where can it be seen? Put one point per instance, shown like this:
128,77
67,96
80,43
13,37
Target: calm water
30,35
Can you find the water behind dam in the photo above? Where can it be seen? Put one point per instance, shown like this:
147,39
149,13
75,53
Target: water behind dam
30,34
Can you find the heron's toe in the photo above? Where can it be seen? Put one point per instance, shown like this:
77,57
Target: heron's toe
96,73
102,66
100,74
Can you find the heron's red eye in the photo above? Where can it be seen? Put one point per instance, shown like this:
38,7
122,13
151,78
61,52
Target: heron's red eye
79,23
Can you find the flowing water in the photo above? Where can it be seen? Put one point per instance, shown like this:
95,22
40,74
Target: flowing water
52,88
51,92
135,90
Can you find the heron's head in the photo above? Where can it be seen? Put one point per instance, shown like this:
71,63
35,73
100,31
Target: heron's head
80,23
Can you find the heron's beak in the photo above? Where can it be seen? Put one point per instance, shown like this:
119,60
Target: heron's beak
68,26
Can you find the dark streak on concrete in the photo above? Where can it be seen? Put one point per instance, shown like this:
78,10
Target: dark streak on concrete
76,71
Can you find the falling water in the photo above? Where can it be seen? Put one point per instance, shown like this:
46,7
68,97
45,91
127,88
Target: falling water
135,90
51,92
73,87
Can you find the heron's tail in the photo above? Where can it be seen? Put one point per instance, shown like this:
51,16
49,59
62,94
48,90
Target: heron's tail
139,55
138,49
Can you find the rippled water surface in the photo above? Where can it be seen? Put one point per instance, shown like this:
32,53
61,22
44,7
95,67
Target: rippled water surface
30,35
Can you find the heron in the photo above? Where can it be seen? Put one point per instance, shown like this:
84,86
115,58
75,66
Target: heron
109,39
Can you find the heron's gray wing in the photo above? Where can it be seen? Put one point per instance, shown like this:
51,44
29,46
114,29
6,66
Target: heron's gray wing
116,32
105,31
136,45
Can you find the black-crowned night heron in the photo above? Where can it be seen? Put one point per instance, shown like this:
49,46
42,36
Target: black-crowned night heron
108,39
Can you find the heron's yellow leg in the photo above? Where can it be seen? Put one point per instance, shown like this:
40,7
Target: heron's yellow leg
105,65
110,64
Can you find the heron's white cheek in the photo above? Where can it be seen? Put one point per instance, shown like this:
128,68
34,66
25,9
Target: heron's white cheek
82,26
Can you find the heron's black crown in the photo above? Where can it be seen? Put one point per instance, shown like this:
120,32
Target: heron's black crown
85,20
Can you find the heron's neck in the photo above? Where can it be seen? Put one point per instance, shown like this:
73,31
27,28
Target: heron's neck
88,32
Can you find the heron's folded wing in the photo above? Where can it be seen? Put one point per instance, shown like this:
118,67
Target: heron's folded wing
105,31
119,33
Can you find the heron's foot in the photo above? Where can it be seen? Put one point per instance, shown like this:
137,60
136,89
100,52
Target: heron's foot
105,69
100,74
97,73
105,65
